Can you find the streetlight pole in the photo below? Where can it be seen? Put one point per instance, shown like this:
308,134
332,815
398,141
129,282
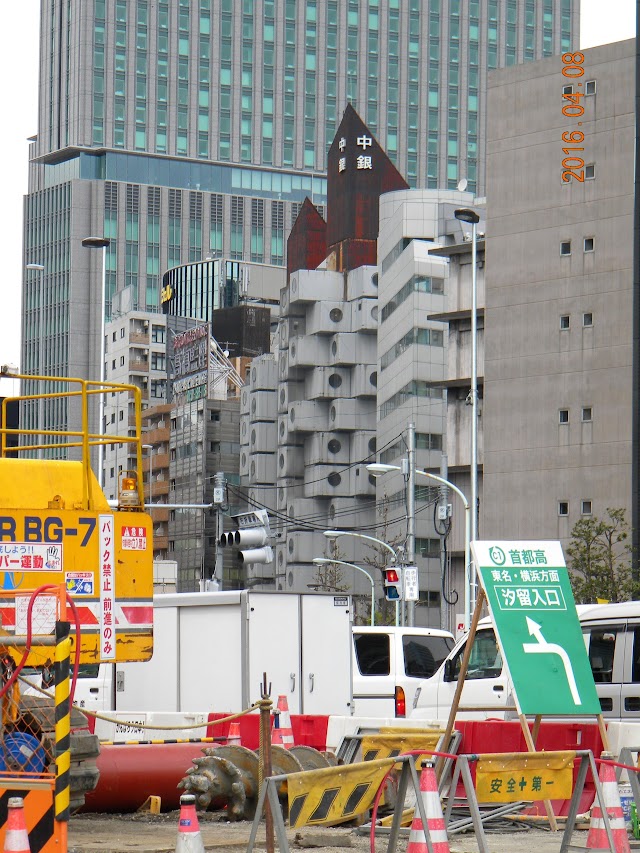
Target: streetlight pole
334,534
101,243
376,468
471,217
321,561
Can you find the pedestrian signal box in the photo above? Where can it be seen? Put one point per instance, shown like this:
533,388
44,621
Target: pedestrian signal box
393,584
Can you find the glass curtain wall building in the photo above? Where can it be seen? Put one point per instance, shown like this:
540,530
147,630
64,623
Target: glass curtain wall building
181,129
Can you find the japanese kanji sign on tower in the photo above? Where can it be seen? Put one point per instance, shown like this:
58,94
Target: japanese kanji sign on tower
531,603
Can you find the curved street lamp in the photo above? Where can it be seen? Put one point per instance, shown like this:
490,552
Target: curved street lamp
377,468
322,561
334,534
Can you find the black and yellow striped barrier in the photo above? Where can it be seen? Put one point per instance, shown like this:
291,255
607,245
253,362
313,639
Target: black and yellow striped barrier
62,722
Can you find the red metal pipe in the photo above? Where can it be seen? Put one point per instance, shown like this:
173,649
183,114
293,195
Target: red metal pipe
129,773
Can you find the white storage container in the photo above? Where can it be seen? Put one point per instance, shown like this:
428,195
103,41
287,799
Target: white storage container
327,448
362,281
262,438
327,318
308,351
308,416
263,373
364,380
290,462
312,285
352,414
262,467
364,316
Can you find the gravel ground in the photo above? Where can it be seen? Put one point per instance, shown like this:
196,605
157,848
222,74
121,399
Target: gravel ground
140,833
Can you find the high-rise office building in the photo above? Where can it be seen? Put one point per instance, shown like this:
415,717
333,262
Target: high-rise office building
185,128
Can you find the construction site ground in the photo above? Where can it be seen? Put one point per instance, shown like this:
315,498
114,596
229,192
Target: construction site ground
146,833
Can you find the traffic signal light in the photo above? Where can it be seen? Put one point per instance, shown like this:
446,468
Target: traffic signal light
393,584
251,537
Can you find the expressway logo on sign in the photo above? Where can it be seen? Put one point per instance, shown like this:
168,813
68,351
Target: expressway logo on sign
531,603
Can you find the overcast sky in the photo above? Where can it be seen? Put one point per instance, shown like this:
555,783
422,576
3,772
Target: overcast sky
602,21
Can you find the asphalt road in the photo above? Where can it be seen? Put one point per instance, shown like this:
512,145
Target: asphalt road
158,833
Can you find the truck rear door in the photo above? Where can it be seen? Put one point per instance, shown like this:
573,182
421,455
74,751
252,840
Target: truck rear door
326,654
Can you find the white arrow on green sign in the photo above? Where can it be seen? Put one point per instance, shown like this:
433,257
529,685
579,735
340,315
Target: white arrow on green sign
532,607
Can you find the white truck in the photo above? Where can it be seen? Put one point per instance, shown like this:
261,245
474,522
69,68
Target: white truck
211,650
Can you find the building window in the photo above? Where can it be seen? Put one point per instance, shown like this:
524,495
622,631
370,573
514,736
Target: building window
563,416
564,321
586,414
590,87
565,247
589,244
563,507
567,90
587,319
121,332
589,171
585,507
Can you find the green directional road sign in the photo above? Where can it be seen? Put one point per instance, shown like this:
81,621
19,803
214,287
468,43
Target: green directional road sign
531,603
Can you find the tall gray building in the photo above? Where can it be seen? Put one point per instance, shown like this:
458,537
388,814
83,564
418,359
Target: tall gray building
179,129
557,413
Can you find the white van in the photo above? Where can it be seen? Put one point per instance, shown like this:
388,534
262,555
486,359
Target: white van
612,639
389,663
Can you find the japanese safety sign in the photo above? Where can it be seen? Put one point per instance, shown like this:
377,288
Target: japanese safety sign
532,776
531,603
105,561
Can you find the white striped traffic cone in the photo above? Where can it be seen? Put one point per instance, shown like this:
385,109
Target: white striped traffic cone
597,838
189,839
286,732
233,737
435,820
16,839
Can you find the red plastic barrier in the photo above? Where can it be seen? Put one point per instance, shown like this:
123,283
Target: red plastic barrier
308,729
486,736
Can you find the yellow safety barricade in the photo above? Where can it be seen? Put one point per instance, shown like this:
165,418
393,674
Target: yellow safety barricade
391,744
513,777
334,794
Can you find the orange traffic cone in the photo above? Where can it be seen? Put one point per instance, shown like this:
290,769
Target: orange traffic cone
435,820
597,838
286,732
189,838
233,737
16,839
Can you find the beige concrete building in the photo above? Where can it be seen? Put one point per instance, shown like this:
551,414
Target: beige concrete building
558,318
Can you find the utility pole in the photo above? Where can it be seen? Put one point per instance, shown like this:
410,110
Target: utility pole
219,499
445,607
411,513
